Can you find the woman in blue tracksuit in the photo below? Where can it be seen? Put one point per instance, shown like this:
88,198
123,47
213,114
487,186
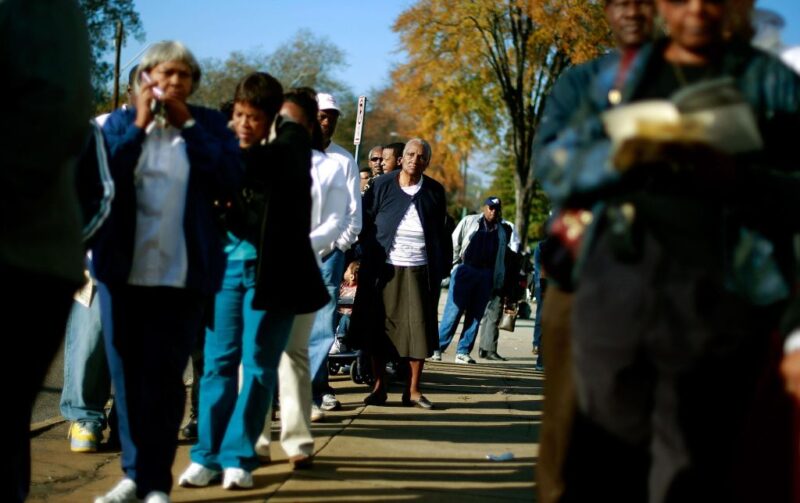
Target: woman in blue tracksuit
159,257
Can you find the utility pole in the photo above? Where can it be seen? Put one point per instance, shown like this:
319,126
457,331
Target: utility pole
118,51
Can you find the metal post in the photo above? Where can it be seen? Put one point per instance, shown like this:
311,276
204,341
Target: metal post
362,107
465,196
118,49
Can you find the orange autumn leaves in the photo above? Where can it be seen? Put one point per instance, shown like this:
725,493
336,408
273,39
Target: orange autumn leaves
477,72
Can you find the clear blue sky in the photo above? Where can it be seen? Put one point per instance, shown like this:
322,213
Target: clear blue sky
362,28
214,28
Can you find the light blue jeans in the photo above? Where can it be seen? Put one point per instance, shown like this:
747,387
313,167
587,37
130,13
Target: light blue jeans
323,331
469,292
230,420
87,382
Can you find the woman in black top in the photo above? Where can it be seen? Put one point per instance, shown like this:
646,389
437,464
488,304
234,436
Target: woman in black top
403,267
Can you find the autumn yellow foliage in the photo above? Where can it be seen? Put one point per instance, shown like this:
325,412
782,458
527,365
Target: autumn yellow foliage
478,71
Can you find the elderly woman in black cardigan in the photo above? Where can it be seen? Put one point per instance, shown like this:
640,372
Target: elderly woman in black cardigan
403,266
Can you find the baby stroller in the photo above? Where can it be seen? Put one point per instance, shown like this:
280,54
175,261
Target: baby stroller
346,359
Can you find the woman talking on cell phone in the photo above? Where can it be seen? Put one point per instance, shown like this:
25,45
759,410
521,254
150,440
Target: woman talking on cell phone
690,264
159,258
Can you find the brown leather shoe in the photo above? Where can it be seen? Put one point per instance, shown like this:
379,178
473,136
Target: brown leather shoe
301,462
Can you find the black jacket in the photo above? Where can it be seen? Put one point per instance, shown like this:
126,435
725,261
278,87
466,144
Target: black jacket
287,276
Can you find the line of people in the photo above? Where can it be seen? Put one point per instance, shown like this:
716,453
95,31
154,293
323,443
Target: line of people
227,238
208,211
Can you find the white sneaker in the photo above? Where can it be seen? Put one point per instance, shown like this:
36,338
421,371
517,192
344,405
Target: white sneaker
463,358
437,356
123,492
337,348
156,497
198,475
237,478
329,402
316,413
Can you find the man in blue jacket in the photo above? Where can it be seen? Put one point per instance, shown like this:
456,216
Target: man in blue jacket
479,244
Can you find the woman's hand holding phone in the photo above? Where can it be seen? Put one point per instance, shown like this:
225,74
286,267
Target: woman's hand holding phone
152,101
144,99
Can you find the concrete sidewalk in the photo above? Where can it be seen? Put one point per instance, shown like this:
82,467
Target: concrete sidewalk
389,453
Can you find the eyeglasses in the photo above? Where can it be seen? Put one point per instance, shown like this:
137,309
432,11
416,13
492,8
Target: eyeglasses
376,159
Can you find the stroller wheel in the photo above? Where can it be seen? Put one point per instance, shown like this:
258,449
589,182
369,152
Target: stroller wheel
355,375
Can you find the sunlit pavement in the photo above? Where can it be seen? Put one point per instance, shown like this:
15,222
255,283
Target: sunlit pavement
390,453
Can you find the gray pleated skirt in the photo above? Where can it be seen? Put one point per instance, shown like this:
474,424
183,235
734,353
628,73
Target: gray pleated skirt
411,321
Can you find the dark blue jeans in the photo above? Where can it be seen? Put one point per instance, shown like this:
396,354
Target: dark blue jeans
470,290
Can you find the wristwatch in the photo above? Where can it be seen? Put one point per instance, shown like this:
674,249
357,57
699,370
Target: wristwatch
189,123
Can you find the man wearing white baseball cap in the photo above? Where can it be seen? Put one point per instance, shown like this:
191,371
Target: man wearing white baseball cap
322,333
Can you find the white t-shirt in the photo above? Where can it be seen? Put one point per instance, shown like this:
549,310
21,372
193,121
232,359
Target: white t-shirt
408,249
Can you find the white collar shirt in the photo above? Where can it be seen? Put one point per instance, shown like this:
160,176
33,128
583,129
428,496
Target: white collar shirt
161,180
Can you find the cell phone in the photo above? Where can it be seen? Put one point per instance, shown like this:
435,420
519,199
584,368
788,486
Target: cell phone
155,106
157,91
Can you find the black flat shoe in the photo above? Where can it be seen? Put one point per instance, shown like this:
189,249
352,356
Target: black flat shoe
375,398
481,353
189,429
492,355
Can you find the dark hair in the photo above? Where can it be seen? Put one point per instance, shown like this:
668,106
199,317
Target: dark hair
365,169
260,90
397,148
306,99
226,107
132,77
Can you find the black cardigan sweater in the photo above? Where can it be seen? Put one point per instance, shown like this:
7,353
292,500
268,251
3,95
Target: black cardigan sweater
386,204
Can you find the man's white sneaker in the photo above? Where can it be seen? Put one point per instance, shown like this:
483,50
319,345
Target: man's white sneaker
437,356
156,497
464,358
123,492
237,478
329,402
198,475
